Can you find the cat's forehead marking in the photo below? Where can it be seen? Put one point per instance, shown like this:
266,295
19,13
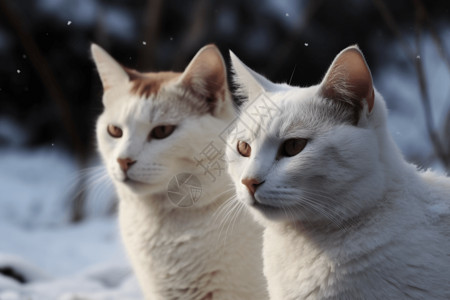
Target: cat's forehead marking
146,84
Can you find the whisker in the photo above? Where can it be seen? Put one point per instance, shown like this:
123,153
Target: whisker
226,191
231,221
338,216
324,210
306,201
353,209
237,214
94,182
222,206
227,218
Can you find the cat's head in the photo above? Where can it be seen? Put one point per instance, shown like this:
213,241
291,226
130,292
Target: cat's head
153,124
309,154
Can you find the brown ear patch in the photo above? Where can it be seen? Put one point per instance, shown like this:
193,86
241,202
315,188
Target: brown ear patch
147,84
349,79
205,76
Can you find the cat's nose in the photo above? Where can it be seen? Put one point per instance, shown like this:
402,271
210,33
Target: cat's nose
251,184
125,163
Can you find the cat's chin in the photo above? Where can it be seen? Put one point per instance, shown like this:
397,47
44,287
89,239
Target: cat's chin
269,212
137,187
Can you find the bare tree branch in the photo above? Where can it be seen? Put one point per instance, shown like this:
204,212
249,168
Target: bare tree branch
415,58
426,101
390,22
195,32
440,46
152,17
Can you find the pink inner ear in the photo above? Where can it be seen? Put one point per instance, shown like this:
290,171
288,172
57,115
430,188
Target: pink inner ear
349,78
206,73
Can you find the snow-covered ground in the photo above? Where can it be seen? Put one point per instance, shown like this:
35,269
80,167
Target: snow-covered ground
84,261
58,260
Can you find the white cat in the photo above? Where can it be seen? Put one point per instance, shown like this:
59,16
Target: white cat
160,127
346,217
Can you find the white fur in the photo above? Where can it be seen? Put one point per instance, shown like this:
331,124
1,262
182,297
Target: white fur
351,219
206,251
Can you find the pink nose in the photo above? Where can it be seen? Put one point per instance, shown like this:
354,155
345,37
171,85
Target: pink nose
251,184
125,163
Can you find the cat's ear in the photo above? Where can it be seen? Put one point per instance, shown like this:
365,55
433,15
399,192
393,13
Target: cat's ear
111,72
250,84
349,79
206,76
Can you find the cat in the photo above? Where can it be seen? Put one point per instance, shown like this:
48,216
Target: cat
157,128
345,216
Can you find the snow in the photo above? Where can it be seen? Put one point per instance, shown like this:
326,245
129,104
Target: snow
33,185
56,259
84,261
288,12
64,249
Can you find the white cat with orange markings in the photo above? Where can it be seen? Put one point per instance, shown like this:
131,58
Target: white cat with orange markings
154,126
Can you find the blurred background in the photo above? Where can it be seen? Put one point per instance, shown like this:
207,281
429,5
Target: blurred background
50,93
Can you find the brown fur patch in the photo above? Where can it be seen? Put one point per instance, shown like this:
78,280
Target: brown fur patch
146,84
208,296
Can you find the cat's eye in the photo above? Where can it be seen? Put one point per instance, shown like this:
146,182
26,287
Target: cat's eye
244,149
114,131
161,132
293,147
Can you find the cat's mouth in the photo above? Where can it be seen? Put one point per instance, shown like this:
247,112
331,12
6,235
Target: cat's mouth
132,182
264,207
268,211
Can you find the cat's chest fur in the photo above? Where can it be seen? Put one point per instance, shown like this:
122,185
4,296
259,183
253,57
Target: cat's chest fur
395,253
188,255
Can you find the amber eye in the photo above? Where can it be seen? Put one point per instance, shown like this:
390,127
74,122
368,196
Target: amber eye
293,147
161,132
114,131
244,149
